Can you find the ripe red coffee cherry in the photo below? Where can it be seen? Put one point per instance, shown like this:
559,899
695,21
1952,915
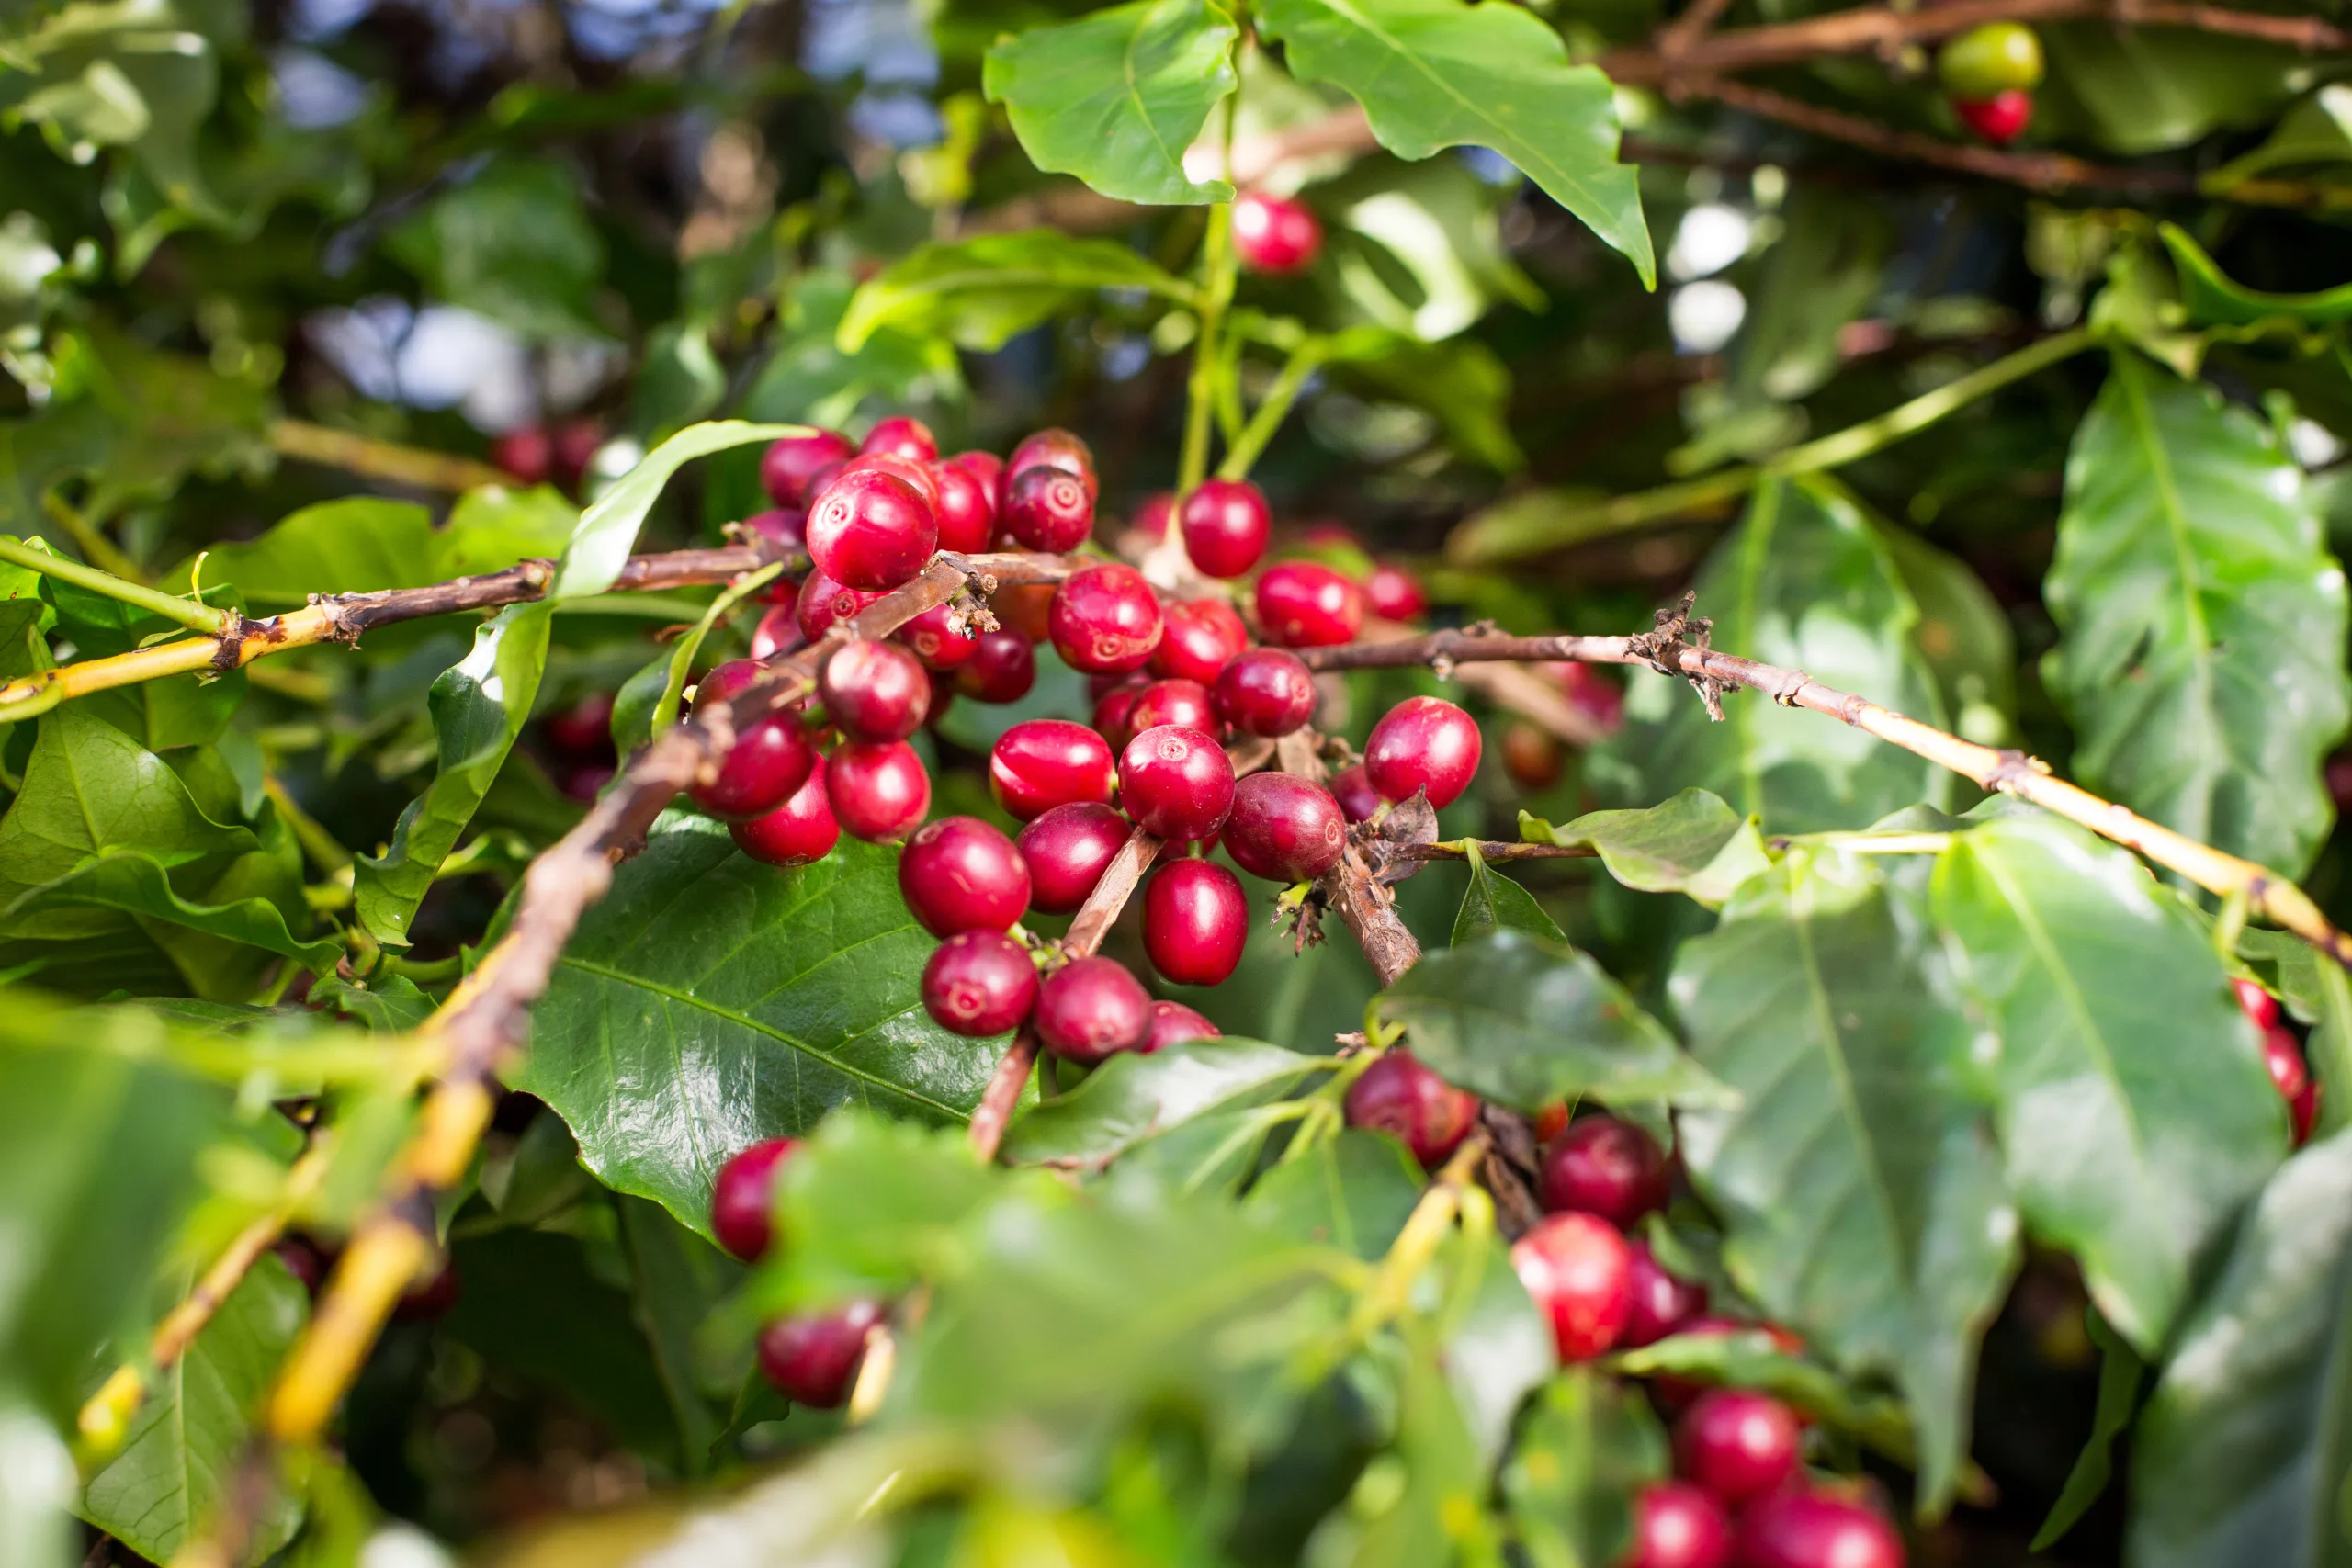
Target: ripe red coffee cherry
778,630
1283,829
724,681
1302,604
1115,713
1395,594
742,1199
879,790
1999,119
823,601
921,478
1172,1023
1355,794
1055,449
871,530
1154,513
1173,702
787,466
1067,849
766,766
1530,757
1047,509
1422,743
2259,1006
1043,762
967,508
1398,1096
1176,783
431,1297
1195,920
801,831
1001,669
935,640
978,982
1275,234
528,454
1601,1166
901,436
1659,1303
1736,1444
2291,1075
813,1360
1091,1009
1197,638
583,729
1594,694
875,690
784,529
1226,523
960,875
987,470
1811,1529
1266,691
1677,1526
1104,619
1575,1267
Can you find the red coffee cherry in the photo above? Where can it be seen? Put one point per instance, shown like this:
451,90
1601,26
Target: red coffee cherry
429,1298
1574,1266
1195,921
742,1199
813,1360
1172,1023
766,766
2259,1006
921,478
784,529
1173,702
880,791
960,875
1153,513
967,508
2283,1054
1226,523
1677,1526
1659,1303
1422,743
1395,594
1592,694
527,454
1530,757
874,690
777,632
1736,1444
1176,783
1047,509
1197,638
787,466
1601,1166
1302,604
978,982
1092,1008
583,729
1266,691
1067,849
1104,619
1002,669
871,530
901,436
1355,794
1813,1530
1275,234
935,640
1115,713
1283,829
1398,1096
724,681
987,470
1999,119
1055,449
824,602
1043,762
801,831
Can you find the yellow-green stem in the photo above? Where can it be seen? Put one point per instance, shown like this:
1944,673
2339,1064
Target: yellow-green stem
187,612
1242,455
1216,289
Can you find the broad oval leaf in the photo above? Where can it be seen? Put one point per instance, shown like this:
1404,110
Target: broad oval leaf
981,292
1692,843
1494,902
132,882
1130,1098
2202,620
1354,1191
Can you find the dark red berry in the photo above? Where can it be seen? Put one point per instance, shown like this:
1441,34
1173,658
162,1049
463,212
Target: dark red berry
305,1261
1395,594
1176,783
787,466
766,766
1153,514
1043,762
1283,829
935,640
1398,1096
1197,638
987,470
1999,119
1601,1166
1047,509
1195,921
1091,1009
875,690
784,529
1104,619
960,875
778,631
1811,1529
528,454
583,729
1593,694
742,1199
801,831
978,982
429,1297
1575,1267
871,530
1266,691
880,791
1068,849
1173,702
1275,234
1736,1444
1002,668
1659,1303
1422,743
586,781
1172,1023
1115,713
901,436
1304,604
2283,1054
2258,1005
725,681
966,509
1676,1525
823,601
813,1360
1355,794
1530,757
1055,449
1023,607
1226,524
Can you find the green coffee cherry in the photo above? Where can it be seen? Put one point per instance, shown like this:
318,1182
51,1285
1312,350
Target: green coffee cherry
1992,59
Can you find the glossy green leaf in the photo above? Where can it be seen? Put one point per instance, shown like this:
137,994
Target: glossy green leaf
1692,843
1436,73
1587,1449
2202,620
1442,1483
2210,296
1117,95
366,543
1354,1191
2121,1372
1499,1346
1130,1098
607,532
709,1001
2139,90
1494,902
2135,1116
2316,133
981,292
133,883
513,243
810,377
1527,1023
1862,1196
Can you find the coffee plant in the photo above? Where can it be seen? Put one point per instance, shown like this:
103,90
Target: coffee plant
1329,781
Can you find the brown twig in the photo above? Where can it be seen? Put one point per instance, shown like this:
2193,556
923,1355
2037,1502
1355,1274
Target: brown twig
994,1112
364,455
1493,851
1370,911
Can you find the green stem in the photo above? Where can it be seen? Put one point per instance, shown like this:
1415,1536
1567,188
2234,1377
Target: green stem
1216,289
187,612
682,659
1246,449
99,550
1908,419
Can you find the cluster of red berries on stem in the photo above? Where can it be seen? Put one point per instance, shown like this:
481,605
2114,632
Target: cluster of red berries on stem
2282,1054
812,1358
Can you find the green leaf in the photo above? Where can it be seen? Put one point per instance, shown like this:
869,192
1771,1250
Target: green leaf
181,1455
37,1484
873,1206
480,706
513,245
132,882
1963,635
1862,1196
1354,1191
2244,1449
1693,844
600,545
1434,74
1499,1348
2120,1373
1130,1098
709,1001
1462,383
1806,581
1494,902
1525,1022
981,292
1752,1360
366,543
2210,296
810,378
2202,620
1444,1485
2135,1115
2145,89
2312,135
1585,1451
1115,97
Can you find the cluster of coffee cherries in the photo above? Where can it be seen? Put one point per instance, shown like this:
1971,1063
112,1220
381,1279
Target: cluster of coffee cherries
812,1358
2283,1054
1989,72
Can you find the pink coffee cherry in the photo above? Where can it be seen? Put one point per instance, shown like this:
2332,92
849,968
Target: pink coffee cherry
1047,509
1226,524
880,790
1273,234
1735,1444
1002,669
801,831
742,1199
1173,702
871,530
787,466
824,602
1092,1008
1602,1166
1576,1266
1304,604
1104,619
900,435
1068,849
960,875
1198,638
874,690
1283,829
813,1359
1043,762
1173,1023
935,640
1195,922
1398,1096
1055,449
1266,691
967,508
1422,743
1176,783
979,983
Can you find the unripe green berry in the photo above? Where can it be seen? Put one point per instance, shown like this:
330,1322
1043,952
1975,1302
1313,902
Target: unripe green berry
1989,60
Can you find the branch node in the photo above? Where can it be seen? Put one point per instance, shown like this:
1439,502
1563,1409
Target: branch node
2013,768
